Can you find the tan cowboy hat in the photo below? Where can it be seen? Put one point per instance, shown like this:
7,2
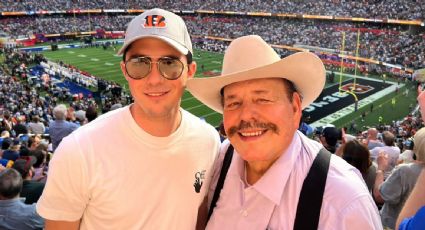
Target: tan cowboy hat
250,57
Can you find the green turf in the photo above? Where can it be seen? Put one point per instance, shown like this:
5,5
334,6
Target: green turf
105,64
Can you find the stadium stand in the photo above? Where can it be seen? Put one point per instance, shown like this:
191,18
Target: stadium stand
398,9
23,98
387,43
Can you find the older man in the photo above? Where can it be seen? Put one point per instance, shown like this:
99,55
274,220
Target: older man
273,180
60,128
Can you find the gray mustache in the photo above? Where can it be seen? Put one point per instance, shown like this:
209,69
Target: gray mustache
256,124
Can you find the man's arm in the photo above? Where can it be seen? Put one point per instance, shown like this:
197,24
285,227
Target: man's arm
62,225
415,200
421,100
382,166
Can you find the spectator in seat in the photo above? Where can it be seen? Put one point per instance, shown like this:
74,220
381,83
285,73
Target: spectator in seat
31,189
36,126
12,153
20,127
14,214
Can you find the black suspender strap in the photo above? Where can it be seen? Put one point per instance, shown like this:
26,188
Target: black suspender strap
311,196
226,164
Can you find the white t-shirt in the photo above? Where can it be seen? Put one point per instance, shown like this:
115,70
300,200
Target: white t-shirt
113,175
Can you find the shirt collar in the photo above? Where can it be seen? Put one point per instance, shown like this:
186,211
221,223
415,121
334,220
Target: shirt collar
273,182
10,202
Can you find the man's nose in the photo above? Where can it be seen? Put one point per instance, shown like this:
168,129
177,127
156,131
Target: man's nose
154,77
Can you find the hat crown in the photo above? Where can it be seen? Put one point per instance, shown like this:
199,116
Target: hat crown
162,24
239,58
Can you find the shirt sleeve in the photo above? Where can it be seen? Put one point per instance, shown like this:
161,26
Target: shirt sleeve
361,213
414,223
66,193
391,189
421,100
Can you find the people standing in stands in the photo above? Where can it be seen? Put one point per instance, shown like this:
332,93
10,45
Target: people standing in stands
390,149
394,191
372,139
357,154
60,128
329,138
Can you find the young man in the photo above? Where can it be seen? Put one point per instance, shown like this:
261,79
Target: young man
144,166
261,97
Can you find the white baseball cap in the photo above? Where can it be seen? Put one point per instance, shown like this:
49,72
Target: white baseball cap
161,24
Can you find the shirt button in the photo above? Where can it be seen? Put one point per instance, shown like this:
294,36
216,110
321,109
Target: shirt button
244,213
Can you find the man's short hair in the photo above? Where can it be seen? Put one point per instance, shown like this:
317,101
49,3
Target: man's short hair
388,138
331,135
10,183
60,112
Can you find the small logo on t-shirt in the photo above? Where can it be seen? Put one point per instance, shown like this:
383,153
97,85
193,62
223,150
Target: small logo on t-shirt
199,180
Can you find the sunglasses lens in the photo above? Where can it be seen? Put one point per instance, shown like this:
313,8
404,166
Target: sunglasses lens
138,67
171,68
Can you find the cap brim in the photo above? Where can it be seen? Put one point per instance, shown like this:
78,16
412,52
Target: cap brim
179,47
304,69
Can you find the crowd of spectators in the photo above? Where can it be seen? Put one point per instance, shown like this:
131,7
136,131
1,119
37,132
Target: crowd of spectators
390,44
395,9
27,105
386,43
62,24
27,109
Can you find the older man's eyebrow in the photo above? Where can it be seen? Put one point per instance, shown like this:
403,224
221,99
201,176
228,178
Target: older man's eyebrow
229,97
261,91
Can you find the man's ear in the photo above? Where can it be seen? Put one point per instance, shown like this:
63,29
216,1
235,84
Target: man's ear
296,105
191,69
124,72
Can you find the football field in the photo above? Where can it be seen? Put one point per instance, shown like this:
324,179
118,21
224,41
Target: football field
328,108
105,64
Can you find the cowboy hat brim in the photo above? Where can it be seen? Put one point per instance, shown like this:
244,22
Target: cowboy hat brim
304,69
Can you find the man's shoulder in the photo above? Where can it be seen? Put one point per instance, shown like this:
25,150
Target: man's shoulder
409,168
197,123
103,123
344,182
30,184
